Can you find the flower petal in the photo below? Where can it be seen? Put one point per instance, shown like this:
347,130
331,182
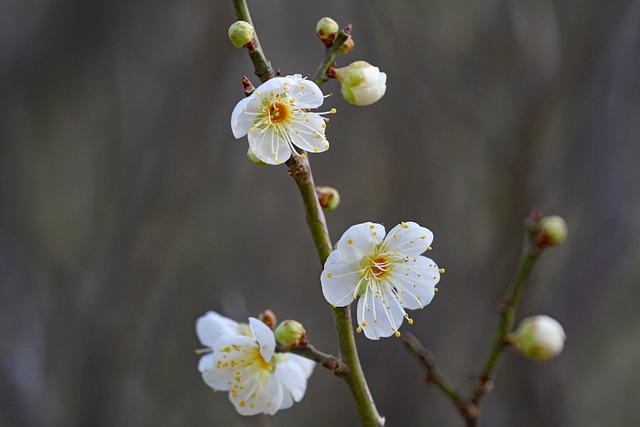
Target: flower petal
415,282
222,375
409,238
240,121
306,94
260,393
293,372
212,326
339,279
379,314
264,337
206,362
359,241
268,146
308,133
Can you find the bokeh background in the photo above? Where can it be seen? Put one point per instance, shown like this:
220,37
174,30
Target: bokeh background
127,209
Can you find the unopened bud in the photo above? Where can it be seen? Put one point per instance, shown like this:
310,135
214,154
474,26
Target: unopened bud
552,231
328,197
362,83
327,29
291,334
346,46
241,33
253,159
538,337
268,318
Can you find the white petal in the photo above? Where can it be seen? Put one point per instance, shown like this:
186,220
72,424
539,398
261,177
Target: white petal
339,279
408,238
306,94
276,395
365,236
257,394
293,374
415,281
275,85
379,315
206,362
264,337
269,147
215,379
227,348
359,241
309,135
240,121
306,366
367,95
212,326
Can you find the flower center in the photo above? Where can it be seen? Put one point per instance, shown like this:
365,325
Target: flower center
278,112
378,267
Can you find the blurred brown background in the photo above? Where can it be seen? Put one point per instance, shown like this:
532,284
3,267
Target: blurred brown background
127,209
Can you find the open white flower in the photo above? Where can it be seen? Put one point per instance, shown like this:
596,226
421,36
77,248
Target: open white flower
240,358
362,83
388,274
276,118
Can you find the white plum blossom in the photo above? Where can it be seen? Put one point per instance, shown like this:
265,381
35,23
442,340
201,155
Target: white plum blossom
277,119
362,83
388,274
241,359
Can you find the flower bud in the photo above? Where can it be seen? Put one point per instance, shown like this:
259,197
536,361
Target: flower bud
346,46
268,317
362,83
552,231
291,334
327,29
329,198
538,337
241,33
253,159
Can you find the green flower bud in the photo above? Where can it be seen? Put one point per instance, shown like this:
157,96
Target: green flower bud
362,83
253,159
329,198
327,29
241,33
291,334
539,338
552,231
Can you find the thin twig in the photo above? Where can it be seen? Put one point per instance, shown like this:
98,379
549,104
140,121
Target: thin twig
436,377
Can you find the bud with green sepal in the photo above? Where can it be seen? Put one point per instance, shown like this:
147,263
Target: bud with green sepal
328,197
362,83
552,231
326,30
241,33
291,334
538,337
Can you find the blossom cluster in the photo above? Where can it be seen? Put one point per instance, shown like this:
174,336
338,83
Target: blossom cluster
241,359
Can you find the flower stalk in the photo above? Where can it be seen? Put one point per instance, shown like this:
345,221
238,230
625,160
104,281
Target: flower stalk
300,170
320,76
